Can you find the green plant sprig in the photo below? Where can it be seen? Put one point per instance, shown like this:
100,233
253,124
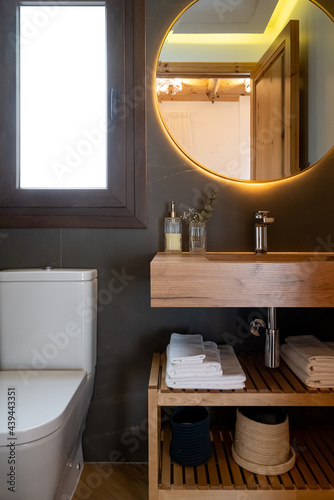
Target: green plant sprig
203,215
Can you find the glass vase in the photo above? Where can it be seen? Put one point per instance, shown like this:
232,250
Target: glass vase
197,238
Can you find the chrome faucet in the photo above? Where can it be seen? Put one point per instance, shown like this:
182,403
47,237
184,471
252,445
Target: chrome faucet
262,221
272,349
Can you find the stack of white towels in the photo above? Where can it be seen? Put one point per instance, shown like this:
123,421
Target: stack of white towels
195,364
310,359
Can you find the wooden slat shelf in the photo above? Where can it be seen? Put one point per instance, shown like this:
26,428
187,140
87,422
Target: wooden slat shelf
264,387
221,476
313,475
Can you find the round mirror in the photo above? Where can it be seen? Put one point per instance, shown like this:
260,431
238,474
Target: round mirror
244,86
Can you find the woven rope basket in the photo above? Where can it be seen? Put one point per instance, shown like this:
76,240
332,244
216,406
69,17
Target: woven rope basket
262,448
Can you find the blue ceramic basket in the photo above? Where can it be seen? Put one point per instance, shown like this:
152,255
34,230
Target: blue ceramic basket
191,443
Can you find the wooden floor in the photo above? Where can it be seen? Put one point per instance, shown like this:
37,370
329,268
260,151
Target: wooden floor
113,482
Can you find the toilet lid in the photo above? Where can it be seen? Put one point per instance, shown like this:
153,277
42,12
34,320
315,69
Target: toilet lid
36,403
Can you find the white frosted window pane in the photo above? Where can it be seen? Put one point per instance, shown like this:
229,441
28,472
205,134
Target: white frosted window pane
63,98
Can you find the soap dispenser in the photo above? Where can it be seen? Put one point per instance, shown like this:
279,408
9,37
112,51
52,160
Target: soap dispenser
173,232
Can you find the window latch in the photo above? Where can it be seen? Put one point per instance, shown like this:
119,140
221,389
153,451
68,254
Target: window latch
114,99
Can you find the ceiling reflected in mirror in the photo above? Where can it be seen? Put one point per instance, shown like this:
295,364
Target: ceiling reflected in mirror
232,102
239,16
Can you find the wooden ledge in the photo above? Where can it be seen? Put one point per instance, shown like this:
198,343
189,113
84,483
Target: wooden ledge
243,279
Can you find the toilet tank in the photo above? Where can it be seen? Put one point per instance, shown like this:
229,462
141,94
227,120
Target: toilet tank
48,319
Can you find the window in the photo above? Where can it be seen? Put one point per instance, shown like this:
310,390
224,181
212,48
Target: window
62,88
79,161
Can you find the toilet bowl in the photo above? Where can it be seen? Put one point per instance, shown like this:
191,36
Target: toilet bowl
47,368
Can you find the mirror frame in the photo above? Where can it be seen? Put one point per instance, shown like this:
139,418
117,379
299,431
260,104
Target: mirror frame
327,6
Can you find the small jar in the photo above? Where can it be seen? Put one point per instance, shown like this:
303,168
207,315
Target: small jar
197,237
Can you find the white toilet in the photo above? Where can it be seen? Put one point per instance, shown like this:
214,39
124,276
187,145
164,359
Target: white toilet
47,368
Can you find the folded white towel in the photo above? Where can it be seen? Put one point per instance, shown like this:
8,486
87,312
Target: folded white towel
233,375
210,367
232,370
316,380
203,384
311,348
186,348
309,367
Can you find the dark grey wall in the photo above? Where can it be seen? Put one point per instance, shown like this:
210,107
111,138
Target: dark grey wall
129,331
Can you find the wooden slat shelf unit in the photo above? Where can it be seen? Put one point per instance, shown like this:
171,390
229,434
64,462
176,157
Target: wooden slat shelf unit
313,475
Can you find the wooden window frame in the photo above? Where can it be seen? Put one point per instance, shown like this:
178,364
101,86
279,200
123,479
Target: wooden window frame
124,203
